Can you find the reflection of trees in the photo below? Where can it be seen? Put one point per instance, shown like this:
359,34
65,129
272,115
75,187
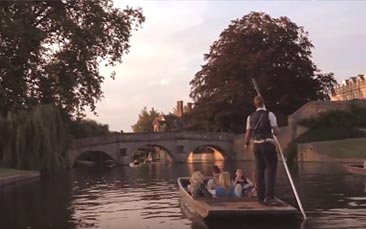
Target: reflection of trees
326,186
38,204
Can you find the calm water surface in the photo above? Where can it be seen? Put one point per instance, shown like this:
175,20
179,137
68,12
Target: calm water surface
147,197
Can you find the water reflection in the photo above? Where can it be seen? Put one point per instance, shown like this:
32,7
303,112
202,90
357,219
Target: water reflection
37,204
237,224
147,197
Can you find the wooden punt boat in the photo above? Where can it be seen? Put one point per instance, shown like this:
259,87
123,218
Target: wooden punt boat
232,207
355,169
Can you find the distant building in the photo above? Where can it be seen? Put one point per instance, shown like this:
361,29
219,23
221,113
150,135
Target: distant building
352,88
171,122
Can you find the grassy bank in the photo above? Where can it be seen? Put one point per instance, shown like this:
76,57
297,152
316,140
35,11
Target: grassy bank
334,141
329,134
11,176
347,148
4,172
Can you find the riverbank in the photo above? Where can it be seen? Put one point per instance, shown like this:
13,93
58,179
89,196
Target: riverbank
11,176
345,150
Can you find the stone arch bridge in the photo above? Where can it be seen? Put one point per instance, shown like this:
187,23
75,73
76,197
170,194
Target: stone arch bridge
121,147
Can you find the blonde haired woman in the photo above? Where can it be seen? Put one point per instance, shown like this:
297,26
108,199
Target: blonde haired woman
197,188
225,189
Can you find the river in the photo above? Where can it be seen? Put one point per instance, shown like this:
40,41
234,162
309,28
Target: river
147,197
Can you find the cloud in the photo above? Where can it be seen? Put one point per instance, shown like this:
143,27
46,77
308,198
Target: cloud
157,71
164,82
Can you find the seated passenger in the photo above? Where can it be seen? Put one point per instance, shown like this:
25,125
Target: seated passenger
212,183
197,188
246,185
224,188
240,178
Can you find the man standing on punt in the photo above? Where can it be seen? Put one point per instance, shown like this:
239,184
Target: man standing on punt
260,125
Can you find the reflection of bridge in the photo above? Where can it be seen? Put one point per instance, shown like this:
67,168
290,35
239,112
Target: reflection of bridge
178,145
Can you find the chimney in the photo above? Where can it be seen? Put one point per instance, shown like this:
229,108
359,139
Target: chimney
189,106
179,108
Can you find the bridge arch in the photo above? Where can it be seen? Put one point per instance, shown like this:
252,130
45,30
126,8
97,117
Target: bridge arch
217,153
96,156
157,149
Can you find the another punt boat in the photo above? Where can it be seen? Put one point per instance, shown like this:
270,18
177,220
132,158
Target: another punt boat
355,169
135,163
232,207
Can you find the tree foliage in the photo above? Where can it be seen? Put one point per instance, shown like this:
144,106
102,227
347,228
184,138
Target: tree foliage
354,118
34,139
87,128
274,51
327,84
145,120
50,51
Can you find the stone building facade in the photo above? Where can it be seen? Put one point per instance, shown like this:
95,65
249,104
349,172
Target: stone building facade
352,88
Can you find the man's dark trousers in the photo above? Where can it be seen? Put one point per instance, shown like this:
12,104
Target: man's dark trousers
266,166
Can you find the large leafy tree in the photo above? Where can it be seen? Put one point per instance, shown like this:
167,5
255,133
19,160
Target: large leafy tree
274,51
87,128
50,51
145,120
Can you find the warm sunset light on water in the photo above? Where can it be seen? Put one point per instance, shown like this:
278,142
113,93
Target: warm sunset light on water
205,157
